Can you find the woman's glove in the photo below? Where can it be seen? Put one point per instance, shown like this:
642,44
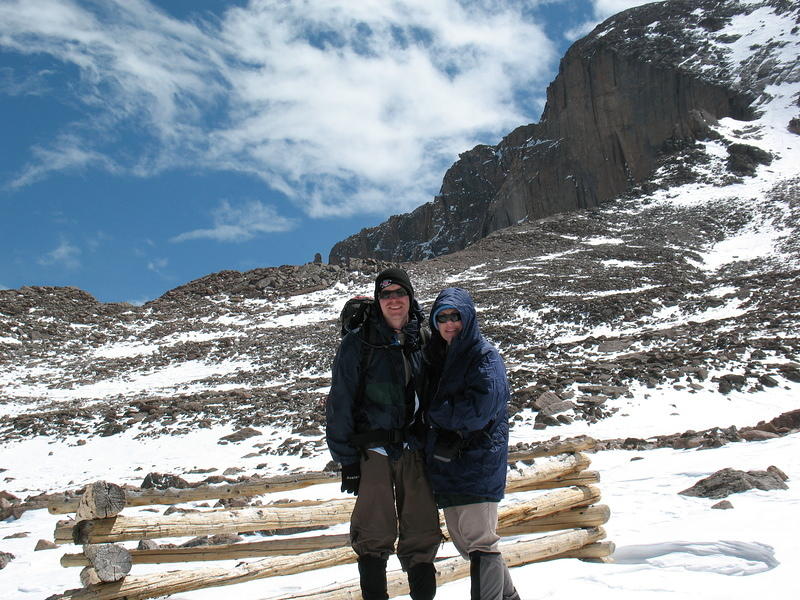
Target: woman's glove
448,445
351,478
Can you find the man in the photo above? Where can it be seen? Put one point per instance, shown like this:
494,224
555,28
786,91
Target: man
372,410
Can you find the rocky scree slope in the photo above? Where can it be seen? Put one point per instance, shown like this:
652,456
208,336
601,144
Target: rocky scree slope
642,85
590,310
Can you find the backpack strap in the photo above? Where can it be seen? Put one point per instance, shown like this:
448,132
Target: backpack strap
366,356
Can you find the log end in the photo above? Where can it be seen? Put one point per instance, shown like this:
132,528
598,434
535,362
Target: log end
112,562
100,500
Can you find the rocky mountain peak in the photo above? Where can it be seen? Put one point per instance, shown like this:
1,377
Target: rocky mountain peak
644,84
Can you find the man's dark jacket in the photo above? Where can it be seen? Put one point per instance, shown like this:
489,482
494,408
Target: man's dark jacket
388,403
467,393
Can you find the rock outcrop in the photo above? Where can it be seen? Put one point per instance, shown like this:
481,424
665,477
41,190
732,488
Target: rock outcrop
643,84
732,481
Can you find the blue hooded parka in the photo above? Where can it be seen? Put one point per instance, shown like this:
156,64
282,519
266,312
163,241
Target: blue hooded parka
467,393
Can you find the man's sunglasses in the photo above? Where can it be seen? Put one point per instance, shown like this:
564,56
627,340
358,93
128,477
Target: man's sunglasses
399,293
441,318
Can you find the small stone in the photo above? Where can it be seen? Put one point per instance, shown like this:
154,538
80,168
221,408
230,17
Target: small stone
44,545
756,435
768,381
224,538
241,434
723,505
200,540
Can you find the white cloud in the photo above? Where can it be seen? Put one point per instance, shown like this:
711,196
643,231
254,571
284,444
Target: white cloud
324,100
64,255
157,264
240,223
67,153
93,242
29,84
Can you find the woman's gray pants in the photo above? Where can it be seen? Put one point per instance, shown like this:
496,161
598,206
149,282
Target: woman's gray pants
473,529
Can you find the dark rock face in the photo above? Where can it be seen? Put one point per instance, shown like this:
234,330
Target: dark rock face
644,83
731,481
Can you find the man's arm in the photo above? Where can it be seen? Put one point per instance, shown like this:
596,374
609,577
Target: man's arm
339,406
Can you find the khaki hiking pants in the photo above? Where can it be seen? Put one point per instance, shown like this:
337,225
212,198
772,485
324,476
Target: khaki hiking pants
395,497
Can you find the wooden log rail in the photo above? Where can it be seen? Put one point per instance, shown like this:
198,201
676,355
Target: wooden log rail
591,516
569,544
571,505
566,470
174,582
64,504
121,528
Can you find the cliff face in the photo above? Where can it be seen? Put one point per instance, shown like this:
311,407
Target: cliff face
647,80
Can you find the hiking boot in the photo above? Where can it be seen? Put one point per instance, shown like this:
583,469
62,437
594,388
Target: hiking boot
372,572
422,581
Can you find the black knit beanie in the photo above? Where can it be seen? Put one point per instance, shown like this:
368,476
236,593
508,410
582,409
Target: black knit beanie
393,276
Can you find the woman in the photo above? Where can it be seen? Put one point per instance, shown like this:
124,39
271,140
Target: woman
467,445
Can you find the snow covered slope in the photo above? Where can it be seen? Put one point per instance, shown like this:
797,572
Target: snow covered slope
671,309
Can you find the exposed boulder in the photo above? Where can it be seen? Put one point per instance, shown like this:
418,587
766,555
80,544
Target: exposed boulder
787,421
240,435
756,435
550,404
732,481
162,481
743,159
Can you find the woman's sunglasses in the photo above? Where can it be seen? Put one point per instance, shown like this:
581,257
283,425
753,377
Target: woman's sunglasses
440,318
400,293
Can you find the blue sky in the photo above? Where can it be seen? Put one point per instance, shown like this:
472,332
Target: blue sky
148,143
